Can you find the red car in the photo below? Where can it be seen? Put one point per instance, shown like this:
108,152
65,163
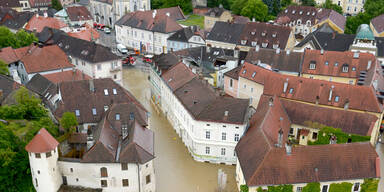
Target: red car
147,58
128,60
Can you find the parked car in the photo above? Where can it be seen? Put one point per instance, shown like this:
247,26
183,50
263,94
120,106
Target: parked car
129,60
100,26
122,49
107,30
147,58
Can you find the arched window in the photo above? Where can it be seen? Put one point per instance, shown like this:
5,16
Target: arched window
103,172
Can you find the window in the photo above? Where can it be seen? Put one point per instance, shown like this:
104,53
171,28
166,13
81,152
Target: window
254,43
312,65
244,71
290,90
236,127
117,116
93,111
77,112
114,91
208,135
237,137
353,68
105,108
251,89
299,189
71,170
125,182
314,135
37,184
291,131
223,136
325,188
124,166
37,155
147,179
99,67
337,99
104,183
326,63
103,172
207,150
231,83
253,74
345,68
351,82
223,151
38,172
48,154
356,187
105,91
208,125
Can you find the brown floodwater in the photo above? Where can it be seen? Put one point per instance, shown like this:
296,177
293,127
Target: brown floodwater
175,169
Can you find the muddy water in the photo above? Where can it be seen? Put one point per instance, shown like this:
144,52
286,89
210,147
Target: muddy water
175,169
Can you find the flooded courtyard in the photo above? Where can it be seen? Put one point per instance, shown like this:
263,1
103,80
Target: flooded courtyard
175,169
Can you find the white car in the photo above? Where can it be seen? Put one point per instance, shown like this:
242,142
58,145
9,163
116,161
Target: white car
121,48
107,30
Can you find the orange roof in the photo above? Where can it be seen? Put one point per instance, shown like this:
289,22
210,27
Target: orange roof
40,22
87,34
10,55
42,142
66,76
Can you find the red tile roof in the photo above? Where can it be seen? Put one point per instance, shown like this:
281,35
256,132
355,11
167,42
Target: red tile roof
42,142
10,55
361,98
47,58
78,13
66,76
265,163
86,33
178,75
331,63
40,22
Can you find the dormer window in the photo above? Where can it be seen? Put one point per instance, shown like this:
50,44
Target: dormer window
254,43
313,13
345,68
312,65
243,42
326,63
290,90
298,22
263,34
114,91
253,74
308,13
105,108
293,11
337,99
244,71
93,111
275,46
117,116
353,68
105,91
301,12
264,45
253,33
286,11
77,113
273,34
336,64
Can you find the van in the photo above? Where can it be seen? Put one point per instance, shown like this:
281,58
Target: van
122,49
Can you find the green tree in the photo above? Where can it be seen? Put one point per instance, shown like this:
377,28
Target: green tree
370,185
25,38
185,5
308,2
68,121
329,5
3,68
312,187
237,6
285,3
255,9
372,9
216,3
57,5
244,188
20,39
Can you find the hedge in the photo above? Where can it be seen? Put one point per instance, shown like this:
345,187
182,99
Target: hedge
312,187
369,185
340,187
280,188
243,188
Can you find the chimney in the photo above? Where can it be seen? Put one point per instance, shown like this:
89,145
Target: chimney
208,49
270,103
333,139
278,51
257,48
91,86
322,51
330,93
154,13
45,14
285,85
369,64
236,52
288,147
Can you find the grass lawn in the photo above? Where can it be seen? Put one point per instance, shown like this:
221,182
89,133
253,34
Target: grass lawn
193,20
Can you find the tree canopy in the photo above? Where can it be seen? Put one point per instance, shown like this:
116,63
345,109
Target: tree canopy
185,5
68,121
57,5
308,2
3,68
329,5
255,9
372,9
20,39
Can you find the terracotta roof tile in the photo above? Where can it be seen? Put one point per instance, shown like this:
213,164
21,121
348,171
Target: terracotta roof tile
40,22
178,75
42,142
86,33
66,76
78,13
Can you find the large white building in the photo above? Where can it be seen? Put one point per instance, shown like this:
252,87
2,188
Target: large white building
112,148
210,125
148,31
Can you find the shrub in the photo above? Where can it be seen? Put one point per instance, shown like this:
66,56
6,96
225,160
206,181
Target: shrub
280,188
340,187
243,188
312,187
369,185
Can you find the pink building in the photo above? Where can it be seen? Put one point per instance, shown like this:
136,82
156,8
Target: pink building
231,81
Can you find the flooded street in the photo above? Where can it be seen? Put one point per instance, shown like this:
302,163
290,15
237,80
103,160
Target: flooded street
175,169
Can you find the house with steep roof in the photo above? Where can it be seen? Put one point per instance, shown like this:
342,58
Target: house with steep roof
148,31
113,143
224,35
272,159
12,19
216,14
77,16
37,23
377,25
305,19
186,38
209,124
28,61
